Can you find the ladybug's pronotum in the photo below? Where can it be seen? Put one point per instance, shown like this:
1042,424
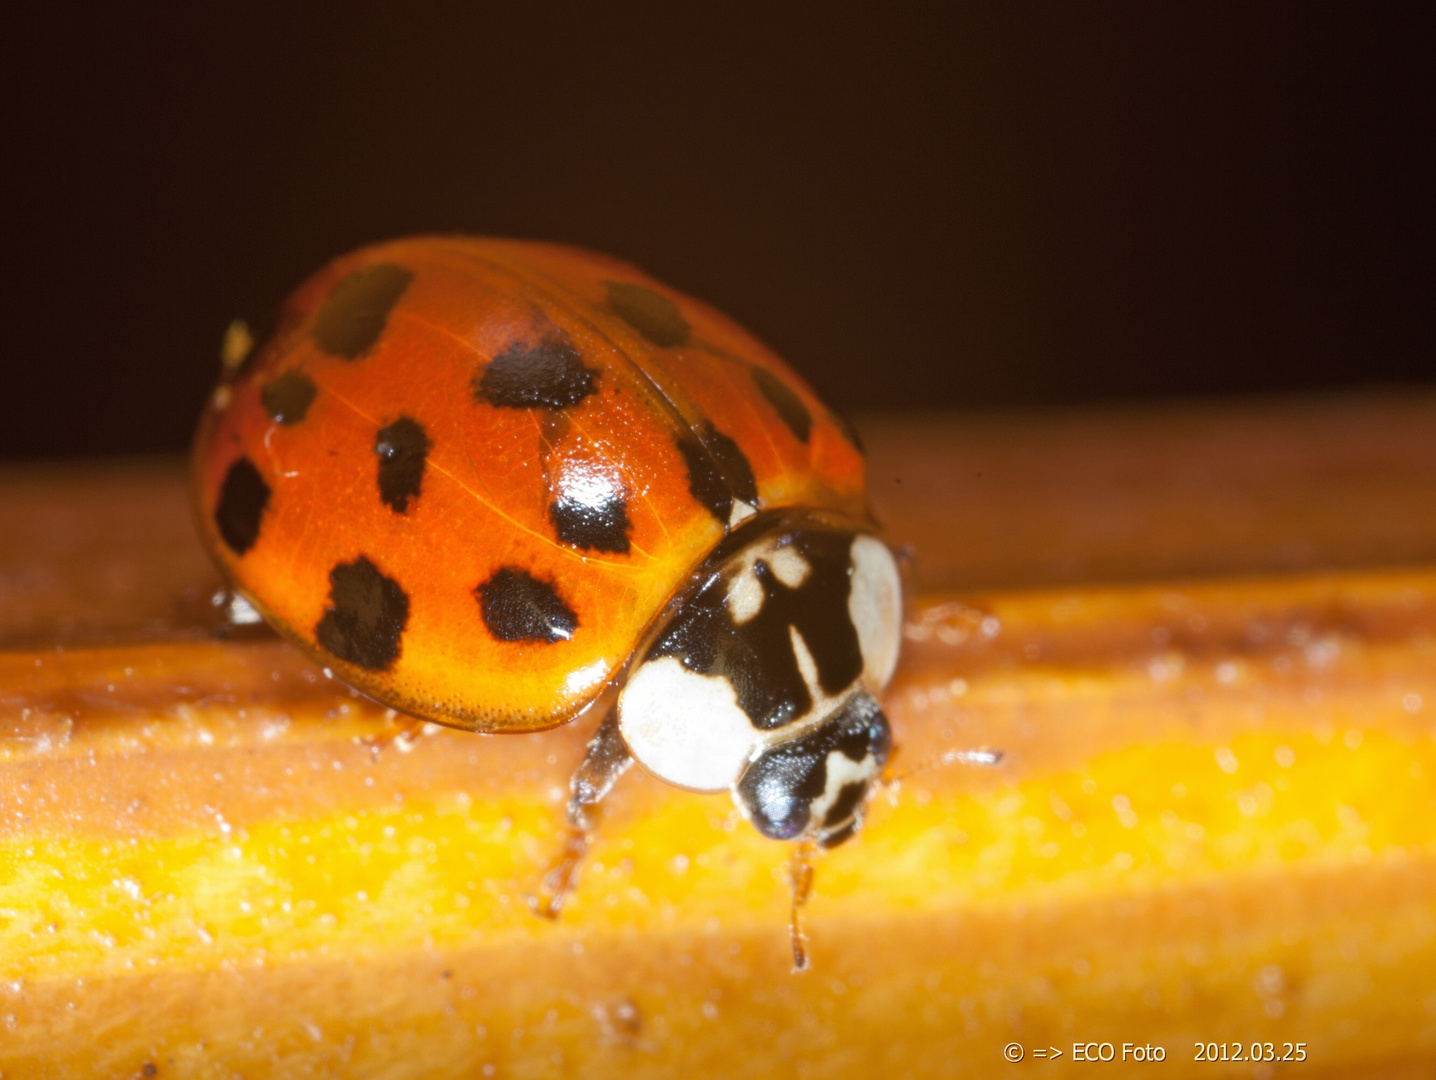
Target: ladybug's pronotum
493,484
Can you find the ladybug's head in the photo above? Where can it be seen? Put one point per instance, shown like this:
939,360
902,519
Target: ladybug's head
818,783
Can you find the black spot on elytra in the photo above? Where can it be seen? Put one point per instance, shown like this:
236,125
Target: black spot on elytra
287,398
785,401
403,449
366,616
517,606
652,314
779,788
717,472
275,329
757,657
547,373
242,498
601,525
357,309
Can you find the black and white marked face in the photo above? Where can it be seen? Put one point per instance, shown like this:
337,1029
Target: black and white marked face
763,681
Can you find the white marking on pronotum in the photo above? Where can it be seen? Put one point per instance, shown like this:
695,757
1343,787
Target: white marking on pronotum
789,566
875,607
807,666
824,707
745,590
685,728
745,596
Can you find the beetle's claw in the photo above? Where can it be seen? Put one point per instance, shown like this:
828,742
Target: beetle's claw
562,876
401,736
800,877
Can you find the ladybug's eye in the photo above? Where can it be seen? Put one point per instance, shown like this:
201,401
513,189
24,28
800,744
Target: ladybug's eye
818,782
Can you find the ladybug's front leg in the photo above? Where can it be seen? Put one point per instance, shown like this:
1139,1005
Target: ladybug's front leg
226,613
606,760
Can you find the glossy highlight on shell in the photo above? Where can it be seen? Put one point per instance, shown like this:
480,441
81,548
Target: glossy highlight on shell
464,470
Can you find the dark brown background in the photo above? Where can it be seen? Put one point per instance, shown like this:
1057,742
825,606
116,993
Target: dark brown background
920,208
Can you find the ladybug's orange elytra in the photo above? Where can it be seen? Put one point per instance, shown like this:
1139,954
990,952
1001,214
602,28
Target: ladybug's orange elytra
466,475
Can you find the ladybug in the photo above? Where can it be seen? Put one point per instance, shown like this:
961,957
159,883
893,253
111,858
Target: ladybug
494,484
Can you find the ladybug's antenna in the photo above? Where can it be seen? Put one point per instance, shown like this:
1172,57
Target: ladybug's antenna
800,877
981,757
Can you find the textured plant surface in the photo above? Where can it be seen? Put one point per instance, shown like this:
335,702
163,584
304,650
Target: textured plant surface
1212,825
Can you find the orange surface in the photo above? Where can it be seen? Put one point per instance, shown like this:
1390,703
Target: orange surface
1213,825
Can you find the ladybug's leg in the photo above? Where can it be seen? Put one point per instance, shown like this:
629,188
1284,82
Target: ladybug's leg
226,614
402,733
800,877
606,760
